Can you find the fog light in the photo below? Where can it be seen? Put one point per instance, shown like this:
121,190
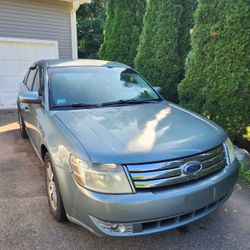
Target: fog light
122,228
113,228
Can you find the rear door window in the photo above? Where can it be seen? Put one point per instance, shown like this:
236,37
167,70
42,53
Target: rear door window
36,84
30,78
38,81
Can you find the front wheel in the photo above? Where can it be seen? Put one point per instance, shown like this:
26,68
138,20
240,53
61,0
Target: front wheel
54,195
22,125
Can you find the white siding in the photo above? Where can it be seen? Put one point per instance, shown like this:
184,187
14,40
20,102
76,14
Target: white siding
38,19
16,56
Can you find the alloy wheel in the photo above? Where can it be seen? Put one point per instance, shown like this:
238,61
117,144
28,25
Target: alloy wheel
51,186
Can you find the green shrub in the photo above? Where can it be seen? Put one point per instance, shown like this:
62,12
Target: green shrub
217,77
245,173
164,43
122,30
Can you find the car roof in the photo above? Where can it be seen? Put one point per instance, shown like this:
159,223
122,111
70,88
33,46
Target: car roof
80,63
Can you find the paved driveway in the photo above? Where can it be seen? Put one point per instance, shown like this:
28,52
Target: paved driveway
26,223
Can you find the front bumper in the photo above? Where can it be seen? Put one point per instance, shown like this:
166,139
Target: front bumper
150,211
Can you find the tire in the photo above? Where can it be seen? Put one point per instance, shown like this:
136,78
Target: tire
54,196
22,125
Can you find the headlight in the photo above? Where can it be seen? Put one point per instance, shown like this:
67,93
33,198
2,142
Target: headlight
230,150
104,178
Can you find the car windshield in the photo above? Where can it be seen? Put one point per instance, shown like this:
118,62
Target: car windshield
90,86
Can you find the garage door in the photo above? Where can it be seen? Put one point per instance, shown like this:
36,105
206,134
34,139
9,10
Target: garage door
16,56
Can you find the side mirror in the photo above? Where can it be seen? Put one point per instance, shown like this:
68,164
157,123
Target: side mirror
157,89
30,97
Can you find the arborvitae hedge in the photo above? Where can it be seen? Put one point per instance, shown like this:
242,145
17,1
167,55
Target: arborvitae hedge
157,56
217,82
184,38
165,42
122,30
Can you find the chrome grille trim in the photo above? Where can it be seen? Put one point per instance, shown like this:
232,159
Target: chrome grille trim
156,174
173,163
214,160
168,173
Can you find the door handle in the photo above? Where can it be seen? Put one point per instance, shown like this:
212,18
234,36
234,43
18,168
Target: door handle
26,109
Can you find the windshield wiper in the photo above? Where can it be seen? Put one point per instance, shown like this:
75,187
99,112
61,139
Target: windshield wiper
77,105
85,105
114,103
131,102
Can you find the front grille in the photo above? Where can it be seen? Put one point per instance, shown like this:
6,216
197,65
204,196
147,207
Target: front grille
162,174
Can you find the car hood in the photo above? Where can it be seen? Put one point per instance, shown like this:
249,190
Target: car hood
141,133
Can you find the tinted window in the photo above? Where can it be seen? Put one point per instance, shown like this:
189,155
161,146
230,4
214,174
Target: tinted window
41,71
36,84
30,78
97,85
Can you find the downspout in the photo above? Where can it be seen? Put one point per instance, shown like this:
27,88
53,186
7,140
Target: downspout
75,5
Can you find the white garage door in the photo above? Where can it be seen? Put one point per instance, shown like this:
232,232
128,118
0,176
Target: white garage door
16,56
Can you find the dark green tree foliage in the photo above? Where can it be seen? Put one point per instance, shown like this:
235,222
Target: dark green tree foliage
157,58
90,23
217,82
184,38
122,30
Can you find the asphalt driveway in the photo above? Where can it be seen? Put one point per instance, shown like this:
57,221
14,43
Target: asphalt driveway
26,223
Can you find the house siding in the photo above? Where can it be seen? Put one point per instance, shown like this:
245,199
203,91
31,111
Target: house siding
38,19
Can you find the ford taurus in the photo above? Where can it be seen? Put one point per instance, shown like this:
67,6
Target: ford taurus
119,159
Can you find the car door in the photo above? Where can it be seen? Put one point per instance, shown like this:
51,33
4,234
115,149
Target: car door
37,110
25,107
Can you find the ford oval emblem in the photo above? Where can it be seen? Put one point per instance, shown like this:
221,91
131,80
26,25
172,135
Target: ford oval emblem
192,167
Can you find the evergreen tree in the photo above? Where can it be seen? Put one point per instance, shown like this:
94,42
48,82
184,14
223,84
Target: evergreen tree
122,30
184,38
90,24
157,58
217,82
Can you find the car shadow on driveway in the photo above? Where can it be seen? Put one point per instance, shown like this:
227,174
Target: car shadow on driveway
26,222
